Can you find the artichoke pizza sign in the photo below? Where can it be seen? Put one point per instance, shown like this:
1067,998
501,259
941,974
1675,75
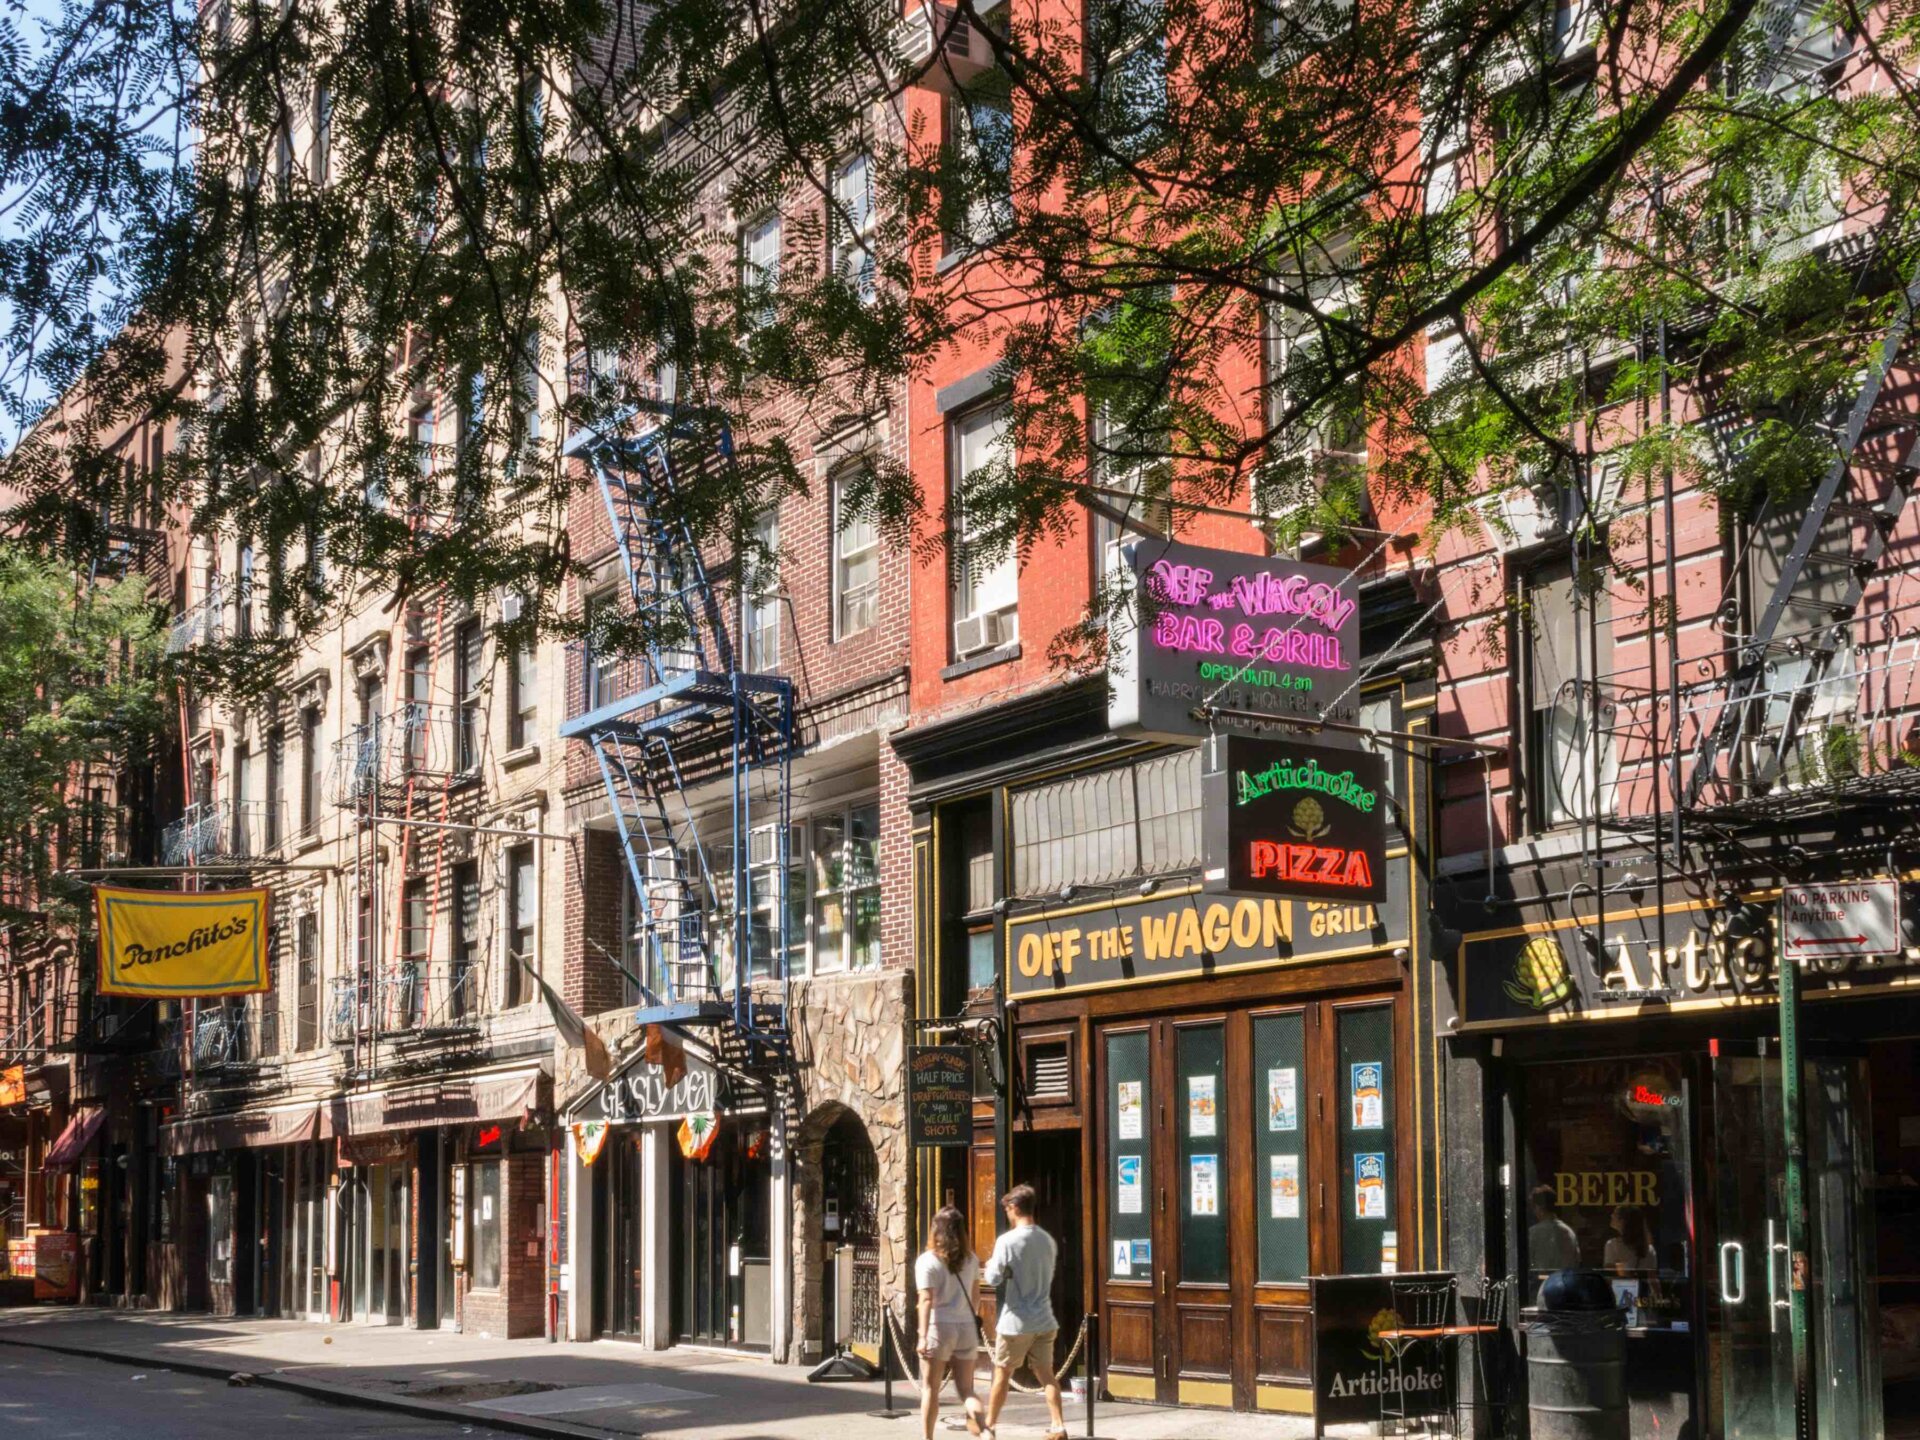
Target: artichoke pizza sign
1306,821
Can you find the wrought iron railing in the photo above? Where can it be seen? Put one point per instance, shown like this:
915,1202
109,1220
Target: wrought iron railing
417,743
201,624
343,1011
221,830
422,996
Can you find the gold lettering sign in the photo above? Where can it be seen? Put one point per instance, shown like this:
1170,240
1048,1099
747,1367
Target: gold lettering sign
169,944
1596,1189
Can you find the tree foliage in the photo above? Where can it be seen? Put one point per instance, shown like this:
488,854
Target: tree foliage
1483,243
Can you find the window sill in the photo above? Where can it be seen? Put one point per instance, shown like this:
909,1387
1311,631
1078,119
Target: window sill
310,841
517,759
985,660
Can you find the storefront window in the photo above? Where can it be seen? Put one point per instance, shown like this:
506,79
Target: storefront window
220,1230
483,1205
1607,1178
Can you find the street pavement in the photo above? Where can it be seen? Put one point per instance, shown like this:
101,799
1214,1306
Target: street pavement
45,1396
530,1387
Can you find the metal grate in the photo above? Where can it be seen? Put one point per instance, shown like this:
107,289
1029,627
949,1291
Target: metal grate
1049,1073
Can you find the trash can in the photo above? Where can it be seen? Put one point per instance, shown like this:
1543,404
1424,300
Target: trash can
1576,1374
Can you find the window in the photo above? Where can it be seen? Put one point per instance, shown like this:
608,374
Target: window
852,225
306,959
1559,621
1382,712
1326,449
416,930
220,1230
1608,1176
243,592
421,441
840,887
464,949
522,908
603,667
268,1009
270,821
986,582
523,695
1287,31
760,595
1825,743
1127,72
980,137
310,779
856,561
322,153
1127,427
526,427
242,818
760,271
483,1224
468,661
419,693
1108,825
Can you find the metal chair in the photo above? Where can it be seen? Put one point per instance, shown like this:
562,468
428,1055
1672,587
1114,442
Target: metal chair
1490,1381
1424,1311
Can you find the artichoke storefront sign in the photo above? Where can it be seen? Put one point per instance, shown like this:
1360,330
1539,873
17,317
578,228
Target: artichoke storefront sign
1243,632
1305,821
168,944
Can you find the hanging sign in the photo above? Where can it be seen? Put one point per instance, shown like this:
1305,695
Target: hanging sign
170,944
589,1136
939,1095
1860,919
1307,821
1244,632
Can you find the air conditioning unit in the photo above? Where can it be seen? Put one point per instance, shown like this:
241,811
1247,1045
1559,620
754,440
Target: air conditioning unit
941,46
978,633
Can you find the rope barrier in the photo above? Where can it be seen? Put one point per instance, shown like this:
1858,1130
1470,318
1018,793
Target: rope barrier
1062,1370
909,1366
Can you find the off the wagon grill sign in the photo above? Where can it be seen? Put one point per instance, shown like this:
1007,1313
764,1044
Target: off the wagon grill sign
1298,820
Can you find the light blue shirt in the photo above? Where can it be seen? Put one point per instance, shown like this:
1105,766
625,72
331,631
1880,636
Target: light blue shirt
1022,1267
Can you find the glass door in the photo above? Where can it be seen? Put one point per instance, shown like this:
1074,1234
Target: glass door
1754,1341
1844,1322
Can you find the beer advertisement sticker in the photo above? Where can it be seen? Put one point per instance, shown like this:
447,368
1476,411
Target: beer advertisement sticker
1369,1104
1370,1186
1205,1171
1201,1106
1283,1108
1284,1184
1129,1107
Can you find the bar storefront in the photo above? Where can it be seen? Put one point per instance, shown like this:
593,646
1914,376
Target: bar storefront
1633,1074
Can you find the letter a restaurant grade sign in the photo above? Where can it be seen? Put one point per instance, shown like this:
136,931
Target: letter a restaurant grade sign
167,944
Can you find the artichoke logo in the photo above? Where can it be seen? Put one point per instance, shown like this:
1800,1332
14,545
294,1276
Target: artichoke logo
1309,820
1383,1321
1540,977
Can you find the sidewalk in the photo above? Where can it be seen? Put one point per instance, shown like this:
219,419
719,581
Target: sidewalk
605,1388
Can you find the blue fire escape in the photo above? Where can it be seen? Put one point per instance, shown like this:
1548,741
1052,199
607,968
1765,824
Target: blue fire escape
673,713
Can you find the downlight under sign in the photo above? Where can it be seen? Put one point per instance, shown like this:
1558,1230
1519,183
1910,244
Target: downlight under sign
1306,821
1242,632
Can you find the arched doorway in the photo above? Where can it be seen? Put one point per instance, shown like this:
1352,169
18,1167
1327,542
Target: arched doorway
850,1239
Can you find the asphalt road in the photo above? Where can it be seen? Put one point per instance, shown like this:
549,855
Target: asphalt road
44,1396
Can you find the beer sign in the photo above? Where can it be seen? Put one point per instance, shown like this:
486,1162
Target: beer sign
1299,820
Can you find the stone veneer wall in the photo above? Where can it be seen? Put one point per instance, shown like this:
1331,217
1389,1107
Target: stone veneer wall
850,1033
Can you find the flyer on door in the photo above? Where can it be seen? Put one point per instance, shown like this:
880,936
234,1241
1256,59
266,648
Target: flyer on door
1369,1106
1284,1184
1283,1109
1205,1170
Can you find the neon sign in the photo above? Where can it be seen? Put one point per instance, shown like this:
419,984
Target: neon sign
1298,820
1314,864
1242,632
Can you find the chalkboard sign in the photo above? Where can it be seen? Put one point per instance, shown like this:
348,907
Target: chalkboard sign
1349,1365
939,1095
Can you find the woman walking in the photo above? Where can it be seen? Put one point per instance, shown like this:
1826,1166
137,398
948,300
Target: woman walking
946,1274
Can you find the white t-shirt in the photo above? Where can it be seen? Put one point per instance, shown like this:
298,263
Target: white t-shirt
952,1294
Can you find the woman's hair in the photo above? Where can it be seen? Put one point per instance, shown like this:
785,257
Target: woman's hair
1634,1229
948,1237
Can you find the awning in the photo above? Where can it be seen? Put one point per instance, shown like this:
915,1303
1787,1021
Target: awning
506,1095
276,1125
72,1144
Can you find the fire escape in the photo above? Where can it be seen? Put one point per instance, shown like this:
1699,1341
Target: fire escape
668,713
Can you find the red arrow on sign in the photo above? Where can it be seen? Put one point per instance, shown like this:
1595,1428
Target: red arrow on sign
1800,944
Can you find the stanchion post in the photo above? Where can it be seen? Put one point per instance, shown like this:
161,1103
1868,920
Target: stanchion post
886,1366
1093,1374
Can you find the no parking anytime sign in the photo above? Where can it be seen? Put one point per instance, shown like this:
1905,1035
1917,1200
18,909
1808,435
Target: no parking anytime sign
1856,920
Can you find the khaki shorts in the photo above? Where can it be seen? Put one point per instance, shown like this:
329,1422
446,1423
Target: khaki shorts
1036,1351
954,1347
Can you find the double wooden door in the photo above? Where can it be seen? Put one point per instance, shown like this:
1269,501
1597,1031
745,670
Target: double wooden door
1242,1151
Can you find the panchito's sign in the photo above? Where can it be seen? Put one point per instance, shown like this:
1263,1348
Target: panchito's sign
169,944
1243,632
1303,821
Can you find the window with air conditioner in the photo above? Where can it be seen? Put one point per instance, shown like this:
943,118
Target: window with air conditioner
856,558
986,568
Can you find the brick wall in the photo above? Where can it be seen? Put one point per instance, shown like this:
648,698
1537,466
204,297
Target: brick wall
595,883
518,1308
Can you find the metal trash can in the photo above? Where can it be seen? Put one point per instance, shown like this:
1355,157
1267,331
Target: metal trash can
1576,1374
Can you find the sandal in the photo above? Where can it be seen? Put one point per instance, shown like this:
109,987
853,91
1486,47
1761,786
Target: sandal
973,1410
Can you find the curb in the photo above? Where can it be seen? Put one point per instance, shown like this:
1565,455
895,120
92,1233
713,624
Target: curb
332,1395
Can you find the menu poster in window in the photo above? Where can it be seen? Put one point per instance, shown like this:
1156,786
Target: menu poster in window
1201,1106
1143,1253
1130,1197
1205,1185
1284,1185
1370,1186
1369,1107
1129,1109
1283,1106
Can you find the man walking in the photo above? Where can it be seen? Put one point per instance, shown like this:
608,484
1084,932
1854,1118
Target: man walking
1021,1267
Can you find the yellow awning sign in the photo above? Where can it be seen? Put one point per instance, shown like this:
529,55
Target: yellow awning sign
175,945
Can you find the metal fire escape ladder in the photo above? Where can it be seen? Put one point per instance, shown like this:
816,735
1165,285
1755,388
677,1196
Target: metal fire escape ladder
692,721
1750,705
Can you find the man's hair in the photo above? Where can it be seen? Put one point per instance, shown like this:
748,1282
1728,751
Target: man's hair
1020,1200
1543,1197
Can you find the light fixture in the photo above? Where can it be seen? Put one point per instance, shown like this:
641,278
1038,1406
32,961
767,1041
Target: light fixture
1148,886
